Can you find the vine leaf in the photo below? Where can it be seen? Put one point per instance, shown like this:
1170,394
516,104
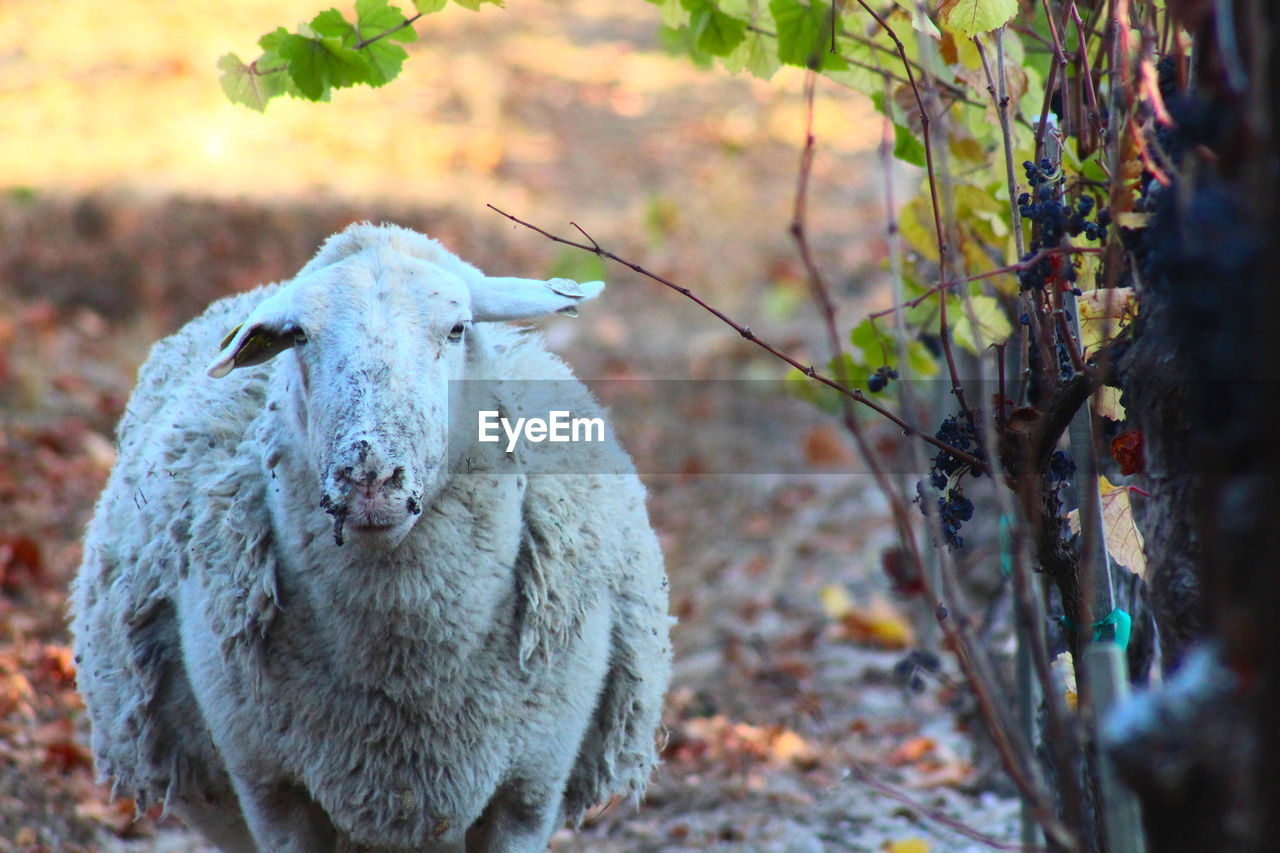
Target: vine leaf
716,32
804,34
970,17
920,21
1124,539
319,64
1103,314
1106,403
243,85
988,324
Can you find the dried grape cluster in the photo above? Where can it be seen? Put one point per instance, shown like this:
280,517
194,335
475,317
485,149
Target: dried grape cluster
1052,220
953,507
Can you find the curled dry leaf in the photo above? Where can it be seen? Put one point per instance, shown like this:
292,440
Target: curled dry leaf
1124,539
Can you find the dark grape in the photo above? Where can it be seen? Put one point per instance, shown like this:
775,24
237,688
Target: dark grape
953,507
1061,467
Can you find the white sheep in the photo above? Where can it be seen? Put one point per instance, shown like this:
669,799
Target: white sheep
312,615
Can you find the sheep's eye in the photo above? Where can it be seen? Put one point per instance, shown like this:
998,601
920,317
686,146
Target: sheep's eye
299,337
455,334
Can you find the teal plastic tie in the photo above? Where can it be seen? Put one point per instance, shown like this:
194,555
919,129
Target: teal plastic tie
1121,622
1118,619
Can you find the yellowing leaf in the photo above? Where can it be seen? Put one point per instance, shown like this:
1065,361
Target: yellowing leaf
1124,540
835,601
915,224
879,624
920,18
1103,313
992,326
970,17
1129,219
906,845
1107,403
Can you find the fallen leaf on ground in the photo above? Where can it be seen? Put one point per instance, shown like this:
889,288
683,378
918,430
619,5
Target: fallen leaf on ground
878,624
912,750
824,447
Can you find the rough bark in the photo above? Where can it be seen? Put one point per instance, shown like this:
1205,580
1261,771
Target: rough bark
1202,382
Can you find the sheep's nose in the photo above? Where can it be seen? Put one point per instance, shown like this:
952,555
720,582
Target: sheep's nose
370,473
371,481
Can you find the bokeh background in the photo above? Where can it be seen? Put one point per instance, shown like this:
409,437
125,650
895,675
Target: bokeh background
132,194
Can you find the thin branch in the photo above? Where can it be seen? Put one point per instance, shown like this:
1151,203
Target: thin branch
1011,269
928,144
1095,115
745,331
955,92
1042,126
1068,341
1058,53
408,22
821,293
1000,99
943,245
866,777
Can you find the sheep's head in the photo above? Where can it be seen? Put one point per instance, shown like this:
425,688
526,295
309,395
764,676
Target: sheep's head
378,326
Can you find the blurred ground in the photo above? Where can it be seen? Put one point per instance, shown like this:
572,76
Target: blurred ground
133,195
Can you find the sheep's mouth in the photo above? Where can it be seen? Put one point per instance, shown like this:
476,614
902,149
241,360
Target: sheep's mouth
371,527
377,518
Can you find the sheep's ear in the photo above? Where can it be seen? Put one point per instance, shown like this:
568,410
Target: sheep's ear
269,330
496,298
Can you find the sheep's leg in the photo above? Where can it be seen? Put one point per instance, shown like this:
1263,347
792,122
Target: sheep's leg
224,827
283,818
517,820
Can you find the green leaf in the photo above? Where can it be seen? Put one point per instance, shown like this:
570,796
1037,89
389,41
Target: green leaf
385,60
474,5
906,147
804,34
715,32
374,17
270,43
331,24
672,13
877,346
317,65
755,54
970,17
429,7
241,84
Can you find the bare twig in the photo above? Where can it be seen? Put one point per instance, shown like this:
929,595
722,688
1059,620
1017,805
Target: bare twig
866,777
1095,115
745,331
955,93
818,285
1011,269
925,122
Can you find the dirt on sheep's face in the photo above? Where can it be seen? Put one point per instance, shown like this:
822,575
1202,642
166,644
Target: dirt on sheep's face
379,338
